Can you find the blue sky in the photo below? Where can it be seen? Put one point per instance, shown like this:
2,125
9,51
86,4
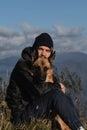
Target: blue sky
22,20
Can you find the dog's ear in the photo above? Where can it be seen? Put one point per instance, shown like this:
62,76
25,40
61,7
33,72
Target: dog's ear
34,55
52,57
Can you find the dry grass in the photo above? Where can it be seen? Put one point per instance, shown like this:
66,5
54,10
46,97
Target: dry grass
5,123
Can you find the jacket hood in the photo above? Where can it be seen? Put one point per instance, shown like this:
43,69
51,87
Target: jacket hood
27,53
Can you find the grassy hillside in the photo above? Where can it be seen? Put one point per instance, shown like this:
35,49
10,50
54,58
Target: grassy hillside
45,124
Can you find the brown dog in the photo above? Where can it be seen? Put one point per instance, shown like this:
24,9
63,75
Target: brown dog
42,69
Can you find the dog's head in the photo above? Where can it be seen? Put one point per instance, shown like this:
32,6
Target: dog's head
42,69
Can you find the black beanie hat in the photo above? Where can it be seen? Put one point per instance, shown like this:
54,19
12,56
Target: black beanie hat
43,39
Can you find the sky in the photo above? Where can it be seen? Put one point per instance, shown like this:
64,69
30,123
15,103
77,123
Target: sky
22,20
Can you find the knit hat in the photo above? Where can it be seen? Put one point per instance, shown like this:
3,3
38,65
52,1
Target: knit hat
43,39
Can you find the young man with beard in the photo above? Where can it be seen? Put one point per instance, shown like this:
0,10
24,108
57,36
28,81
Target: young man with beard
25,100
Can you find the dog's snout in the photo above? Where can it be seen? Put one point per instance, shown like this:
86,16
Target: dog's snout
42,79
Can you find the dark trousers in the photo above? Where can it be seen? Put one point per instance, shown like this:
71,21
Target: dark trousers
57,101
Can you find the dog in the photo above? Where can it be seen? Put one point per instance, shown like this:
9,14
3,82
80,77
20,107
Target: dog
43,72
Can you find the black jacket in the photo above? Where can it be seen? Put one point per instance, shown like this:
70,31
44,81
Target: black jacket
21,90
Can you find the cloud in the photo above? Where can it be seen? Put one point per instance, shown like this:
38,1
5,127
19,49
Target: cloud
67,32
70,39
6,32
65,39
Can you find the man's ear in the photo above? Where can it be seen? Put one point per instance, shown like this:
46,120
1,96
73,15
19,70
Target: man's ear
52,57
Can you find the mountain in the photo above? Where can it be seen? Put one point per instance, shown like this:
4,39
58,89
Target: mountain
6,66
75,61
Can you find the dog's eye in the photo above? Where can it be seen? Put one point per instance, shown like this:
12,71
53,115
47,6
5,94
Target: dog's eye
45,68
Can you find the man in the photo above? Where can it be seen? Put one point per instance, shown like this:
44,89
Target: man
25,100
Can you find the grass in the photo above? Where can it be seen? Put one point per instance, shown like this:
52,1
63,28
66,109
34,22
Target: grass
45,124
5,123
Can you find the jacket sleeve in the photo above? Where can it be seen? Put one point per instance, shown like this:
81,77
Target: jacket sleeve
43,88
14,102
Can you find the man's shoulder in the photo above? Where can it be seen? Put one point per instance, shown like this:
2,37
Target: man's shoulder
24,62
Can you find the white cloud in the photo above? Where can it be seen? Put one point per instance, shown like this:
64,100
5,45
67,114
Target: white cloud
6,32
65,39
70,39
72,32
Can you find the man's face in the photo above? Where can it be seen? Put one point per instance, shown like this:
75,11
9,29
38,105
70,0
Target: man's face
44,51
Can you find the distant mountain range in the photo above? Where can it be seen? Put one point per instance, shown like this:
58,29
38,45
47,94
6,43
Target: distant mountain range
75,61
